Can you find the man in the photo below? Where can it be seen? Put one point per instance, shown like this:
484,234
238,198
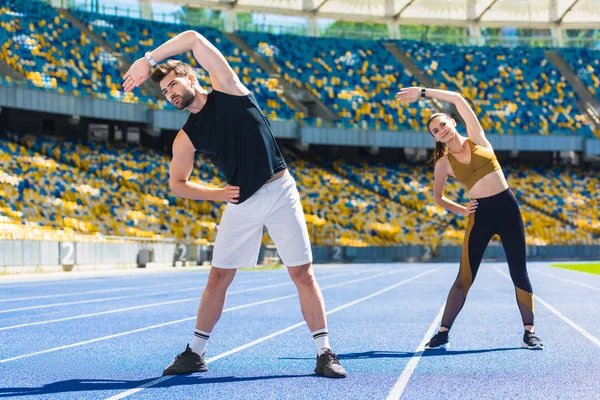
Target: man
229,127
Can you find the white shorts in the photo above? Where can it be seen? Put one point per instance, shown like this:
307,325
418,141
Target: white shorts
275,205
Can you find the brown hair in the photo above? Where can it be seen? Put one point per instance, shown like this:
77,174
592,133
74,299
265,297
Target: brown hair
180,68
440,148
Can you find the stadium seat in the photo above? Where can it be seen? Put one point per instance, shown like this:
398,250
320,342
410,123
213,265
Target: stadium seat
356,79
574,220
40,44
513,90
586,65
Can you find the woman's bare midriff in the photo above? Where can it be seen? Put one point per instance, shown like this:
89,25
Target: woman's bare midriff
489,185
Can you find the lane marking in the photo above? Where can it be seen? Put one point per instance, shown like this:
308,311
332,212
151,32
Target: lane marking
272,335
90,279
566,280
100,300
574,325
190,318
402,381
103,299
122,288
47,296
197,298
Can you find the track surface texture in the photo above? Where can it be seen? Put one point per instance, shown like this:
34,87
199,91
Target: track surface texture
110,336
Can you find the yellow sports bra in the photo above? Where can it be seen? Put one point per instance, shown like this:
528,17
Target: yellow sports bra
483,162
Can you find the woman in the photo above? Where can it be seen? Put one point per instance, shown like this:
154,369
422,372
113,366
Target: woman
492,210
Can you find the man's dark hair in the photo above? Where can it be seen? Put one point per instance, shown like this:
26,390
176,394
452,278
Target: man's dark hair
164,69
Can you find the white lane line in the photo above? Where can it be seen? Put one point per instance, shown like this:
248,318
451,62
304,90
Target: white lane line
272,335
402,382
129,308
48,296
323,272
103,299
180,283
125,309
89,279
566,280
111,279
122,288
574,325
188,319
159,275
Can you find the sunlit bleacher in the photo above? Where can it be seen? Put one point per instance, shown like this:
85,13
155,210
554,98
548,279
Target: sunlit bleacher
133,37
567,194
541,202
140,169
356,79
134,183
6,80
513,90
379,220
586,65
52,54
42,192
66,185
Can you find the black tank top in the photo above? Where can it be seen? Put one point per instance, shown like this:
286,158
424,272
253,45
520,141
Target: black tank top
236,136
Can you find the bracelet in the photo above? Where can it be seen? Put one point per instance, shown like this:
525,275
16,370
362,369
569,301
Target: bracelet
148,56
423,92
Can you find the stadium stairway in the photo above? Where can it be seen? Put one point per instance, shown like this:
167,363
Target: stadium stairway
124,63
416,72
297,96
7,70
587,104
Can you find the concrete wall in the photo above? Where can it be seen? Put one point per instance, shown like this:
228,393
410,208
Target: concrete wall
17,253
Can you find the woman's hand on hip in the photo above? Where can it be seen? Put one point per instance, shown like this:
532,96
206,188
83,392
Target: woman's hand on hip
470,208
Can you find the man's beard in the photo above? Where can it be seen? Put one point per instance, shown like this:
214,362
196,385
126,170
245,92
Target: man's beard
184,101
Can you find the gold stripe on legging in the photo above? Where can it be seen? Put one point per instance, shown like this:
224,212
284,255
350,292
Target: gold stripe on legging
465,264
525,298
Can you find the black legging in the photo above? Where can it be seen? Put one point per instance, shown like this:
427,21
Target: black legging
498,214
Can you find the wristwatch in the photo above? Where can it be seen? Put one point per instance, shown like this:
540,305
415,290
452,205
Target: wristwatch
423,92
148,56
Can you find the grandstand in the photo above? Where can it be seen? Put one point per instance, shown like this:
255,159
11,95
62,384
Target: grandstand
515,91
52,54
512,89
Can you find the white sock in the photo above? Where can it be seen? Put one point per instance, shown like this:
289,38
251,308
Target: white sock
199,341
321,338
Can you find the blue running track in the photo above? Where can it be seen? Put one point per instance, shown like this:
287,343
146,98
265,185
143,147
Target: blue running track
111,336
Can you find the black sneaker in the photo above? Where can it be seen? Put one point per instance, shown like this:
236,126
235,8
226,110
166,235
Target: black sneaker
186,363
328,365
438,341
532,342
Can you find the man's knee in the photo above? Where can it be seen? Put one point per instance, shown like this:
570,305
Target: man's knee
302,275
220,277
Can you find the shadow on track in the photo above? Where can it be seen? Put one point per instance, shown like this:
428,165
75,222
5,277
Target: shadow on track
90,385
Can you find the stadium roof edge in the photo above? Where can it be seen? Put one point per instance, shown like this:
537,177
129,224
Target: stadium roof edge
576,14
